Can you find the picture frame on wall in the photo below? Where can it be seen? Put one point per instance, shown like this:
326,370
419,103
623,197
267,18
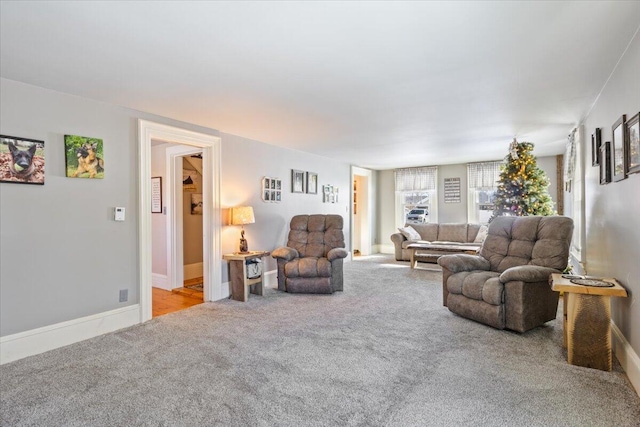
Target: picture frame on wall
196,204
84,157
605,163
596,142
620,165
297,181
22,160
312,183
156,194
271,189
633,143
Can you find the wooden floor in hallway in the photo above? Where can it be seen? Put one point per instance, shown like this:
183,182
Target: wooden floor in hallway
164,302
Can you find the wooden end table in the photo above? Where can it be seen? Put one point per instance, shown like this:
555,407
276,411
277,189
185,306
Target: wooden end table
587,321
241,285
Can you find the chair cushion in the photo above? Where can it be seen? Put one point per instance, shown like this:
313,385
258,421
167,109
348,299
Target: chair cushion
308,267
478,285
316,235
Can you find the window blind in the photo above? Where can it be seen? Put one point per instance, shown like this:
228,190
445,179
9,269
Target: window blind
484,176
411,179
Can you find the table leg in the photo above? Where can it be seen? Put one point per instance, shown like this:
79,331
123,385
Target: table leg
588,330
257,288
238,280
413,257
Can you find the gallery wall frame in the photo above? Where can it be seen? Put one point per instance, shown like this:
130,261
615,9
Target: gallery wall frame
156,194
619,162
297,181
633,144
605,163
596,142
22,160
271,190
84,157
312,183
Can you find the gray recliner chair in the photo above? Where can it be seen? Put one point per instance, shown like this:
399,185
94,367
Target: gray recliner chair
312,260
507,285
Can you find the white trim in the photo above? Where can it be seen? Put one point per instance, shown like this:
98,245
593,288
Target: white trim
36,341
160,281
191,271
627,357
212,260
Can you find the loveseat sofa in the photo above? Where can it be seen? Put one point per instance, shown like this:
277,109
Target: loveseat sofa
469,236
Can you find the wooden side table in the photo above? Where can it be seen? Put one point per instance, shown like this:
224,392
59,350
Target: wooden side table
241,285
587,321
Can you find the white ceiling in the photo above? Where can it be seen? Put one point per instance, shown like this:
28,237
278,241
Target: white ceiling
376,84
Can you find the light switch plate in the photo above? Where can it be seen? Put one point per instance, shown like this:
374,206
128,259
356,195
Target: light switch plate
119,214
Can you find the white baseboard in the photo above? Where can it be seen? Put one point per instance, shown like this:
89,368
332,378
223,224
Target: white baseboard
36,341
160,281
191,271
627,357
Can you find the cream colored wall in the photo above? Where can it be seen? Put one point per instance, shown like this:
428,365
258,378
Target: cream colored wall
191,224
612,212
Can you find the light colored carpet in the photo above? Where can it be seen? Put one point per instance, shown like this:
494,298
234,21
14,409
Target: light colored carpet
382,353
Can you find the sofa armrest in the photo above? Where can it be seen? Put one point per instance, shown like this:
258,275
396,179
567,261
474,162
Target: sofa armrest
285,253
527,273
398,238
337,253
463,262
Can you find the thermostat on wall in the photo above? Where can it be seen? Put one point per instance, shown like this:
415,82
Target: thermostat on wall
119,214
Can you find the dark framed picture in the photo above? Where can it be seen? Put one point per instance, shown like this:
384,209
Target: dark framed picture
196,204
21,160
297,181
84,157
605,163
633,143
596,142
618,150
312,183
156,194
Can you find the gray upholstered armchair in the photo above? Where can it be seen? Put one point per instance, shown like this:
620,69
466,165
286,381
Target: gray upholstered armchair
507,285
312,260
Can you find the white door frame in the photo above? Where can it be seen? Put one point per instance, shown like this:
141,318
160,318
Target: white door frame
175,224
365,208
211,218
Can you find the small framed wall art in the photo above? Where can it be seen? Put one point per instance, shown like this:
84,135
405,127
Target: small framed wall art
605,163
84,157
618,150
196,204
297,181
271,189
21,160
633,143
156,194
596,142
312,183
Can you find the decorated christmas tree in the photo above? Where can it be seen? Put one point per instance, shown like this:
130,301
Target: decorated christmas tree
523,186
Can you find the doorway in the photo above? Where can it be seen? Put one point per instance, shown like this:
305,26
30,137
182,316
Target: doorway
186,142
361,213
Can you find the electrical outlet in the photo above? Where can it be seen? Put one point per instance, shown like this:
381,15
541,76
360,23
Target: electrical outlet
124,295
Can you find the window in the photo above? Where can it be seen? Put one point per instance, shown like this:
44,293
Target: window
483,183
416,195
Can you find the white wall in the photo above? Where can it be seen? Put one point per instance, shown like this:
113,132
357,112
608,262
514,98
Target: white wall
612,212
159,220
63,257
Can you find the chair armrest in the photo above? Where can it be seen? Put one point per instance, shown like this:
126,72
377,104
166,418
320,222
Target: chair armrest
285,253
398,238
527,273
463,262
337,253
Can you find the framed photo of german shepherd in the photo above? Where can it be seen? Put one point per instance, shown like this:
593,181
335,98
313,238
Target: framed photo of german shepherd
21,160
84,157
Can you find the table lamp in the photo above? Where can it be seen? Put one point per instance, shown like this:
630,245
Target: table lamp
240,216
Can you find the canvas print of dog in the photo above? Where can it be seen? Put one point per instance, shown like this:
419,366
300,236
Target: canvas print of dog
84,157
21,160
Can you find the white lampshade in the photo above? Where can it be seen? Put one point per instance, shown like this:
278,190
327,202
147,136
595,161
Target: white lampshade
242,215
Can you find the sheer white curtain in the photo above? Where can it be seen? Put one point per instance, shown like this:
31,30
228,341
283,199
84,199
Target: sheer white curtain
411,179
484,176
